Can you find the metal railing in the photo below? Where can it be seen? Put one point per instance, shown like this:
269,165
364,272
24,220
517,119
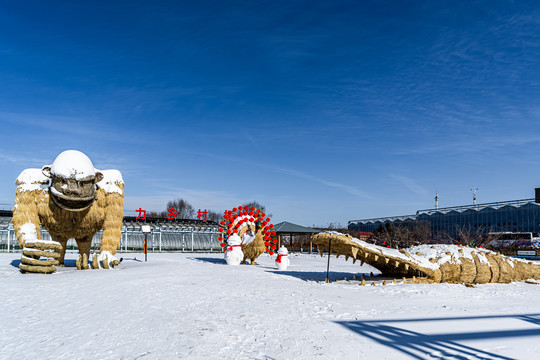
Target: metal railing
188,240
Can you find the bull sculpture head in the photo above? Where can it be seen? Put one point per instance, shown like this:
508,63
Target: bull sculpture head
73,180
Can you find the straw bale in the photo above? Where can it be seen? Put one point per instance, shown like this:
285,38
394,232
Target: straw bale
29,261
450,272
468,270
33,253
37,269
506,271
43,246
483,272
527,271
494,267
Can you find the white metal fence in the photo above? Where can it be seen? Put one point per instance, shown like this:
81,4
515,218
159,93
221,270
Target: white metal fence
187,239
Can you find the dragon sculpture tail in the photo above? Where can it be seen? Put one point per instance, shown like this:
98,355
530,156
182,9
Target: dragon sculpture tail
432,263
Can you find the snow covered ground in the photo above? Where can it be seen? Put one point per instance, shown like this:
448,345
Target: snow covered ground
194,306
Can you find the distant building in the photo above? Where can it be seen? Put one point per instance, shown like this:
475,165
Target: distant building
505,216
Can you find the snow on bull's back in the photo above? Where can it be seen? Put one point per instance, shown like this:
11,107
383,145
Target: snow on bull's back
112,181
32,179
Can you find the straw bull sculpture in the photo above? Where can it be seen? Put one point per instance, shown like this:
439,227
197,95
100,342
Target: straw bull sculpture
432,263
70,199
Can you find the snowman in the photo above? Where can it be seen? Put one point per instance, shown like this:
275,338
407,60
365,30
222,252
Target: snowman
282,260
234,254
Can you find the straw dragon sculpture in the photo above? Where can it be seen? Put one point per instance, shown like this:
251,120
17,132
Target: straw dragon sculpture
432,263
70,199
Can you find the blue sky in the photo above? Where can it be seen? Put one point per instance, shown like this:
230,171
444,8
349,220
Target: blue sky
322,111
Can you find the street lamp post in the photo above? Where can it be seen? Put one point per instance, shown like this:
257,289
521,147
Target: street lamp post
146,229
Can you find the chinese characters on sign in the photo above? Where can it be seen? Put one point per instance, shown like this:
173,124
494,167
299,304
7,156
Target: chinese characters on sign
172,214
201,215
142,214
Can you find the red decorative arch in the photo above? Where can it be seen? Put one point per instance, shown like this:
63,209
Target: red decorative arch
242,216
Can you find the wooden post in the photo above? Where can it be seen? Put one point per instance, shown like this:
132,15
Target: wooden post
310,244
279,241
328,265
290,240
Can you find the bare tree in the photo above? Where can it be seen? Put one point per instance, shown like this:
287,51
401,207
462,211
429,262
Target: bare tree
155,214
184,209
403,235
256,205
214,216
472,236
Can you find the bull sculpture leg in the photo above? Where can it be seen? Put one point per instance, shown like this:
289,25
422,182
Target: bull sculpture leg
84,252
62,252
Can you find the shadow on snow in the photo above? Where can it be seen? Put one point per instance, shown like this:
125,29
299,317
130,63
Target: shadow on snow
321,276
417,345
219,261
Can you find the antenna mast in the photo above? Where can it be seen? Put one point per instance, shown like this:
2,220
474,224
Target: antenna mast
474,190
436,200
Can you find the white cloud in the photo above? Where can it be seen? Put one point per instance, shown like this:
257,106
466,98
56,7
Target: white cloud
410,184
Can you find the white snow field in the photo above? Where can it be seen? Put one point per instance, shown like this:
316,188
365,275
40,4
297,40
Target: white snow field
194,306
